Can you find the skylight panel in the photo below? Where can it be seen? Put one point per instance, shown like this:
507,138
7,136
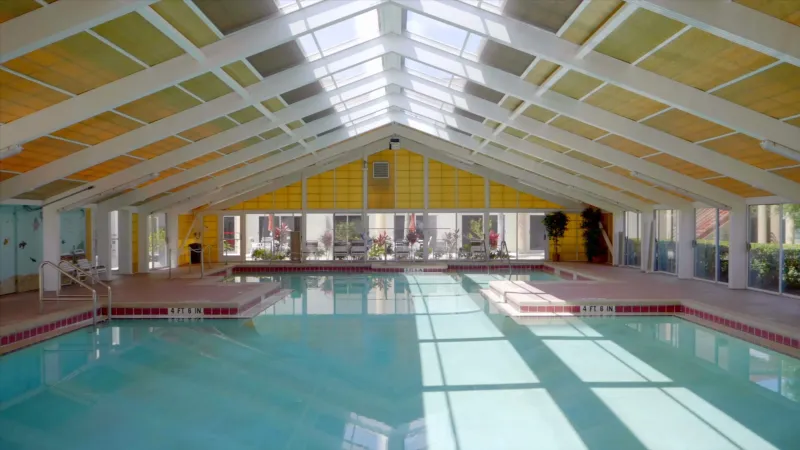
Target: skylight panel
416,96
358,72
309,47
287,6
370,116
473,47
348,33
428,72
361,99
435,33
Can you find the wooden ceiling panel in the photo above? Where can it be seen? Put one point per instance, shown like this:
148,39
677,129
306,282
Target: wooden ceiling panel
106,168
7,175
514,132
548,15
50,189
786,10
577,127
208,129
20,97
240,145
189,24
159,148
135,35
39,152
206,86
624,103
681,166
200,160
245,115
541,71
737,187
161,175
603,183
76,64
686,126
626,145
576,85
99,128
640,33
547,144
161,104
774,92
590,20
792,173
10,9
229,169
704,61
795,122
748,150
273,104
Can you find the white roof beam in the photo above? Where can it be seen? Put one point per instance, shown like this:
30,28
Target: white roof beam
249,41
333,140
478,129
734,22
664,142
58,21
536,41
267,88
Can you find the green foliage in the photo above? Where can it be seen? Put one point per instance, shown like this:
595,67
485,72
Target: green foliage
476,229
764,263
345,231
556,225
451,239
381,246
262,254
592,233
157,238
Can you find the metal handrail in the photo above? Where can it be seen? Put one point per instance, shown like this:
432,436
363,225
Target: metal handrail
503,247
97,281
58,289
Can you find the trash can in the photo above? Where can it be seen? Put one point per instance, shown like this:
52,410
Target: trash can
194,252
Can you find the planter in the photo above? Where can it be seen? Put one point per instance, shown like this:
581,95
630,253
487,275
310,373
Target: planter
556,257
599,259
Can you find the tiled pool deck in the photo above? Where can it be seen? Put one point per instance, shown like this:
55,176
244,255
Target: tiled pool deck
762,318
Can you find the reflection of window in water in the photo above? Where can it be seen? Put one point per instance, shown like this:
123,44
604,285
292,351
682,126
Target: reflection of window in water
362,433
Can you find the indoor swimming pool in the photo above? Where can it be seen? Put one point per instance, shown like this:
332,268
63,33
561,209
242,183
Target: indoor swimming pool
398,361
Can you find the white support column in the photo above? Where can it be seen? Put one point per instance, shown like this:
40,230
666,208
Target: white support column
617,242
125,241
51,245
737,248
426,253
102,239
173,240
646,226
486,233
686,233
142,240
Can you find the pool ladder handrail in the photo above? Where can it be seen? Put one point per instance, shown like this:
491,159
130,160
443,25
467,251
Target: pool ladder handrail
58,288
95,280
504,247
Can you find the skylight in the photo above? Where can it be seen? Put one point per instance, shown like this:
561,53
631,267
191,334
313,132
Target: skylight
347,33
495,6
435,33
435,75
412,95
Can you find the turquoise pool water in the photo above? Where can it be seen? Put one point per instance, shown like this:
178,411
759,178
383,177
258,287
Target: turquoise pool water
398,362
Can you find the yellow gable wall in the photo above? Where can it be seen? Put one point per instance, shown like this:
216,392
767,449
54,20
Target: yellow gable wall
448,188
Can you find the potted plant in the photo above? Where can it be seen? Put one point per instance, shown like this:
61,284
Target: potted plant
556,225
591,219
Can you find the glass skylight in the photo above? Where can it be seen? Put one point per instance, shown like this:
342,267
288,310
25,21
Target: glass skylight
495,6
348,33
412,95
435,33
435,75
358,72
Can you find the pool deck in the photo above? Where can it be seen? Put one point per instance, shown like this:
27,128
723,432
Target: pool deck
154,295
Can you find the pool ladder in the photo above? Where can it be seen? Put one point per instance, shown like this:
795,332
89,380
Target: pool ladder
72,274
504,250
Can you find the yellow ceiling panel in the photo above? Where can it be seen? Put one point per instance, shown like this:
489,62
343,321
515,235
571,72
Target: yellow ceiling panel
703,61
200,160
245,115
273,104
76,64
577,127
10,9
640,33
774,92
162,174
20,97
681,166
548,144
588,159
207,129
135,35
626,145
99,128
575,84
240,145
748,150
511,103
229,169
624,102
686,126
737,187
787,10
241,73
161,104
159,148
541,71
539,113
795,122
39,152
515,132
791,173
105,169
181,16
206,86
7,175
590,20
50,189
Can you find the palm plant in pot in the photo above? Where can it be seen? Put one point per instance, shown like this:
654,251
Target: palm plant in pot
591,219
556,225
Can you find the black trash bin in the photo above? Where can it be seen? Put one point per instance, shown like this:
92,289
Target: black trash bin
195,249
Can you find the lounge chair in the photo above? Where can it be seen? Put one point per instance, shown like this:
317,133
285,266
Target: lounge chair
357,249
311,249
341,250
477,249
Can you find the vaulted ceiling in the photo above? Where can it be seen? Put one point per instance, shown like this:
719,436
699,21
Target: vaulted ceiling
625,105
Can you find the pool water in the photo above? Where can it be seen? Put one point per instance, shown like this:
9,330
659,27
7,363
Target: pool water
398,362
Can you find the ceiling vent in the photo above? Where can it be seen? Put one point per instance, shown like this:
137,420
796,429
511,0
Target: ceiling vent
380,169
394,144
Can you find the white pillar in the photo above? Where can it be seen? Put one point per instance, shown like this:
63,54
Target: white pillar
125,241
737,251
618,240
102,238
51,245
142,243
686,234
646,233
173,240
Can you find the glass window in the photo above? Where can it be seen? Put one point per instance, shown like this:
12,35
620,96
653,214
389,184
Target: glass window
666,254
348,33
705,250
633,241
157,241
791,249
435,33
231,239
724,220
764,253
319,236
446,235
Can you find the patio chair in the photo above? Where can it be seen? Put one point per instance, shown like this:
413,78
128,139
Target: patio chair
311,249
341,250
357,249
402,250
477,249
94,270
440,249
